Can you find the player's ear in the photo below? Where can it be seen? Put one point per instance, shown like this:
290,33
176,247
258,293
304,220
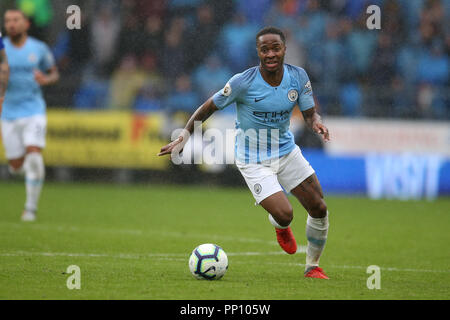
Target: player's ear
27,23
257,45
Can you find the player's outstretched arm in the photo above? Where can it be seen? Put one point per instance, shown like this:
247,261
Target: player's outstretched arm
197,118
51,77
314,121
4,76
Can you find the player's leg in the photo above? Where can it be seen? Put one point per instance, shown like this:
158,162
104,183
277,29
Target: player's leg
280,216
266,190
15,166
280,209
34,140
310,195
298,177
13,144
32,165
34,180
12,136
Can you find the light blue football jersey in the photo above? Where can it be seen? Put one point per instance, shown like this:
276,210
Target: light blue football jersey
24,96
264,112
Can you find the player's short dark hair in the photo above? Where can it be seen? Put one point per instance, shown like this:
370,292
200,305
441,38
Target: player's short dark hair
15,8
271,30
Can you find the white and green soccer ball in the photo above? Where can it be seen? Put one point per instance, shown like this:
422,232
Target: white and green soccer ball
208,261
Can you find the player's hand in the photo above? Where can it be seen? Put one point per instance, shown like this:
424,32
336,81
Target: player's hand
176,146
40,78
1,104
319,128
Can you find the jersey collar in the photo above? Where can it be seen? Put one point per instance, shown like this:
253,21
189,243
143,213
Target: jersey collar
283,80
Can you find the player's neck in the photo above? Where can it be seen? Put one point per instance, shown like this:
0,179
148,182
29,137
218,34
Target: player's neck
20,40
272,78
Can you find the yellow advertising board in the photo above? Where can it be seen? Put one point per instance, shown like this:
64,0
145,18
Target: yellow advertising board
103,140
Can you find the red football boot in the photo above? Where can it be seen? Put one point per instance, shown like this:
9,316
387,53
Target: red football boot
316,273
286,240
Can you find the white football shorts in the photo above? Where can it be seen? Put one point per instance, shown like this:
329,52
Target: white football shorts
272,176
21,133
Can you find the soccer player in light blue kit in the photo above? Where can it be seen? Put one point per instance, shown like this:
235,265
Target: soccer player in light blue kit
4,72
23,117
265,152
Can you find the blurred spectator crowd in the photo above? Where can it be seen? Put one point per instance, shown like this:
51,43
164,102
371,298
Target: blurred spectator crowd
171,55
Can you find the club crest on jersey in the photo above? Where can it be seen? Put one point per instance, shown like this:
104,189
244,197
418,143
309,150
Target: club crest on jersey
292,95
32,58
226,90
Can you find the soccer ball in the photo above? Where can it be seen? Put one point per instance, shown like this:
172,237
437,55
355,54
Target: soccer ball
208,261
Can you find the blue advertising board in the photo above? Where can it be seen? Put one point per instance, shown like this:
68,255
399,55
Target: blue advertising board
399,176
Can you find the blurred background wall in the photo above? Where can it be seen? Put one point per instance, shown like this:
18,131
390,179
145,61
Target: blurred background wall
137,69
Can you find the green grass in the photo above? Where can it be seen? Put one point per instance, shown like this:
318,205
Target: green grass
133,242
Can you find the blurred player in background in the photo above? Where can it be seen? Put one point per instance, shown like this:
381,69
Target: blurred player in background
23,118
265,97
4,72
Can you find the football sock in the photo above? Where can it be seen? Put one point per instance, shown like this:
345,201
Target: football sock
275,224
34,179
316,233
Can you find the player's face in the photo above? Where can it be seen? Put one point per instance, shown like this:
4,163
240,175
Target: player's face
271,51
15,23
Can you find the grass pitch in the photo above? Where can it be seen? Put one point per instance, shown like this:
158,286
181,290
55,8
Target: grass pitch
133,242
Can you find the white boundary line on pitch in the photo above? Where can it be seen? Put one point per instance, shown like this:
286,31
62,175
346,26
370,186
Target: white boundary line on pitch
126,255
142,233
365,268
183,257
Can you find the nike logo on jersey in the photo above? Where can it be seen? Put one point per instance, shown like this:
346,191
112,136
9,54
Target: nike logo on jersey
257,100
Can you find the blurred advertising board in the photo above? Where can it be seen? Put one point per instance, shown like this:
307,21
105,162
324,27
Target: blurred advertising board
103,140
379,159
385,158
360,136
403,176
